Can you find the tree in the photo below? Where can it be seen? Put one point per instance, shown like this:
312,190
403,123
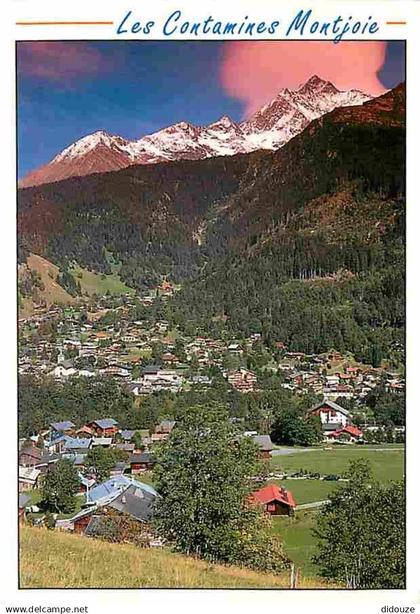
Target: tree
138,441
203,475
292,430
361,533
98,463
60,486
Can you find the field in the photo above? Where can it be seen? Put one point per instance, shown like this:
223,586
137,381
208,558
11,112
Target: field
50,291
296,533
309,491
95,283
387,462
50,559
298,539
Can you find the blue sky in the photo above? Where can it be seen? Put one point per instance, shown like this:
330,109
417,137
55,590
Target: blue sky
70,89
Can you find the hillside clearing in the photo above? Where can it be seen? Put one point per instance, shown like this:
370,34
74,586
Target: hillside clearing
95,283
48,291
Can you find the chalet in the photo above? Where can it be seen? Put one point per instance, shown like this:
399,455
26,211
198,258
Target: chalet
202,380
106,427
86,431
118,469
332,380
265,445
330,413
242,380
56,445
169,358
115,371
29,456
28,478
235,348
340,390
47,462
164,429
103,442
61,428
76,445
126,447
129,503
118,493
85,483
276,500
64,370
141,462
348,433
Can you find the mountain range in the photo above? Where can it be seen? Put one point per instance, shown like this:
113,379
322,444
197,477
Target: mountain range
304,244
269,128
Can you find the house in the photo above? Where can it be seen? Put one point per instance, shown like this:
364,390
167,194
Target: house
276,500
56,445
265,445
141,462
29,456
85,483
47,461
169,358
76,445
126,447
61,428
106,427
163,430
151,370
330,413
119,493
86,431
28,478
118,469
242,380
332,380
348,432
115,484
64,370
127,435
104,442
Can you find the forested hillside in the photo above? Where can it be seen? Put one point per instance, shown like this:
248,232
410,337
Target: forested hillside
305,245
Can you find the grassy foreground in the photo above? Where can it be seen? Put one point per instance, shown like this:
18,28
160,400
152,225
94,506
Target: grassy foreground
50,559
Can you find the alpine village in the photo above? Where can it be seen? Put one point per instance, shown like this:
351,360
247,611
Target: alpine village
211,359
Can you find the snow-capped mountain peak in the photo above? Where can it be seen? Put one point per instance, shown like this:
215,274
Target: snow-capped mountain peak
269,128
90,142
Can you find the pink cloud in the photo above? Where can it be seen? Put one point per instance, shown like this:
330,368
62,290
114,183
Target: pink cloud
254,72
59,61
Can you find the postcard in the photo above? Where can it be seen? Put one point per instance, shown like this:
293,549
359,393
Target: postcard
209,259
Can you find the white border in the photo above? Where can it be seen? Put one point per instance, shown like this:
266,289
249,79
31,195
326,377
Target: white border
181,600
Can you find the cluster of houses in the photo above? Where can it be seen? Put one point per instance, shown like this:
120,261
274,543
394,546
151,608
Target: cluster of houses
122,493
64,440
96,345
313,373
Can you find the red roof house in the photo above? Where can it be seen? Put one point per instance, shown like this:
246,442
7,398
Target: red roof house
352,431
275,500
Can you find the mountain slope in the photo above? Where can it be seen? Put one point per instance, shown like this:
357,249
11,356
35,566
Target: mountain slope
38,285
304,244
270,128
